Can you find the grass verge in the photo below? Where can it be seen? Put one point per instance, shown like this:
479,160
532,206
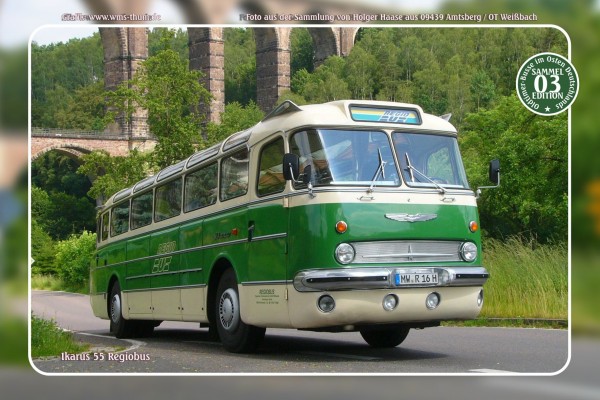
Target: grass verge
527,280
54,283
48,340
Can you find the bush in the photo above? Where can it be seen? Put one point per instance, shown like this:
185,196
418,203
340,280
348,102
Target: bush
73,258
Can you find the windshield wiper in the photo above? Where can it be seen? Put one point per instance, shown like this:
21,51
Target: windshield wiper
380,170
412,177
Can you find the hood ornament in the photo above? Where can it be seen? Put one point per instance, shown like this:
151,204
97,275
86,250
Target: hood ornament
411,217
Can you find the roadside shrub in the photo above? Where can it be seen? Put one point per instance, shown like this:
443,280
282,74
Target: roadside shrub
73,258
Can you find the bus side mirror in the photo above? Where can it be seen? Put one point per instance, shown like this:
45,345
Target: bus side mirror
494,172
291,166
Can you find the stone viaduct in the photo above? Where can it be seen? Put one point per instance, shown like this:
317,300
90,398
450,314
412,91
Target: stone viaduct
126,47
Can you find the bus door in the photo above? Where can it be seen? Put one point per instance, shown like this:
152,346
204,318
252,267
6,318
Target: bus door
265,285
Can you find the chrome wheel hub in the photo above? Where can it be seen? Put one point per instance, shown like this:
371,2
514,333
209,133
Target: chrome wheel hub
229,310
115,309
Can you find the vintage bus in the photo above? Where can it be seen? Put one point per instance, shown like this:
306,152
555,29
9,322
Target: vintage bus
344,216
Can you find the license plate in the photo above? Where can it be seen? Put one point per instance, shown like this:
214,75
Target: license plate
416,279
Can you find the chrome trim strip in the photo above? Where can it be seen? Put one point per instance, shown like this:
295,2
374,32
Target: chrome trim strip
202,285
174,253
269,237
384,278
261,283
164,273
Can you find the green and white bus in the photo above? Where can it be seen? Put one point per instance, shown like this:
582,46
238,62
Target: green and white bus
344,216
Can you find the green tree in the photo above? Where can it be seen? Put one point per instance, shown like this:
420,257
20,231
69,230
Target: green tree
42,250
85,109
113,173
235,118
533,151
240,65
74,257
171,93
303,52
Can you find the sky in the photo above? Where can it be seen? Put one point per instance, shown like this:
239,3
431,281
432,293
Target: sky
18,22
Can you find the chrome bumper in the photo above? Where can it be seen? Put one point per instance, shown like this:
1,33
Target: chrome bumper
386,278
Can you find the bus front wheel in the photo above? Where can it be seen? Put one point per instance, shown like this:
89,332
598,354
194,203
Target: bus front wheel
384,337
236,336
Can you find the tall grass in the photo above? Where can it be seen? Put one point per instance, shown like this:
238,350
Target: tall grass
55,283
47,339
527,280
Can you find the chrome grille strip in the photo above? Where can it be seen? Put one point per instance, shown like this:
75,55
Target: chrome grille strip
406,251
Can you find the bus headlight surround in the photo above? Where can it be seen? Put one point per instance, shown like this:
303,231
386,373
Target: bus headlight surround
345,253
468,251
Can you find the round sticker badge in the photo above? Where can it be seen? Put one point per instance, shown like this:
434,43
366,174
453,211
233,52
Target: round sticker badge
547,84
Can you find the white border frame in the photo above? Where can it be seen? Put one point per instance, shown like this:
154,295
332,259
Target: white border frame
364,374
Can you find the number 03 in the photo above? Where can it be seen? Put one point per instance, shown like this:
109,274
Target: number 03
544,83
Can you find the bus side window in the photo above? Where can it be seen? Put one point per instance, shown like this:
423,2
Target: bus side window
201,188
105,226
119,222
141,210
270,175
167,201
234,175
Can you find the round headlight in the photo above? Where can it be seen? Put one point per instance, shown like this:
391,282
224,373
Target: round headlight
390,302
432,301
468,251
344,253
326,303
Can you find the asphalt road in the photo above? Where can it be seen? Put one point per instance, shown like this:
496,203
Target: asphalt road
184,348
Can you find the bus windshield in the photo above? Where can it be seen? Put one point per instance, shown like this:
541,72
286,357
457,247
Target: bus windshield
429,160
346,157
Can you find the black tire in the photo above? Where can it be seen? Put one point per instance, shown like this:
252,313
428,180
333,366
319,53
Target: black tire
235,335
384,337
121,327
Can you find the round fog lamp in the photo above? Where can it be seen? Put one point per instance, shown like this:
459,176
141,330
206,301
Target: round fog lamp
432,301
390,302
468,251
480,298
344,253
326,303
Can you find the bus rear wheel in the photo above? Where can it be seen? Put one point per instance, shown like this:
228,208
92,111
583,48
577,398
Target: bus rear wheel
384,337
236,336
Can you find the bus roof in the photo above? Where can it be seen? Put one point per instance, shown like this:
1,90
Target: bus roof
289,116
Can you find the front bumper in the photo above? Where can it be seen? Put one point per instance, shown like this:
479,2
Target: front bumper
387,278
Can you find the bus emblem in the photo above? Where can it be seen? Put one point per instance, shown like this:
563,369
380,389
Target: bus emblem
411,217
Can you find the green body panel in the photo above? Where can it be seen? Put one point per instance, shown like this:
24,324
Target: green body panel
164,243
312,243
267,254
138,248
222,242
191,236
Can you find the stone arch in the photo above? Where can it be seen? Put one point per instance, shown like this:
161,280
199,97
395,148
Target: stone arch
325,43
73,151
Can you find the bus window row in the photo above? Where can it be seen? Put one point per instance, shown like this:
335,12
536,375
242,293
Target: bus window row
196,190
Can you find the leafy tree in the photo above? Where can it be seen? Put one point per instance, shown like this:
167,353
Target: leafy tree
240,65
73,258
85,109
42,250
235,118
171,93
113,173
483,89
533,151
178,41
303,52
